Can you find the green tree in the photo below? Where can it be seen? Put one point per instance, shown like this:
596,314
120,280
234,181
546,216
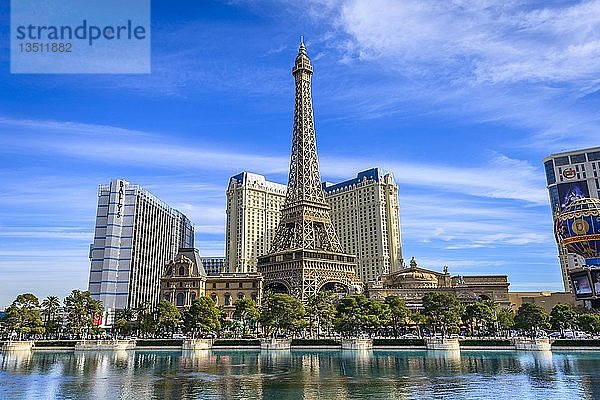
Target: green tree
443,311
281,313
531,317
81,310
50,309
246,312
478,315
23,316
146,321
563,316
320,309
168,317
506,319
376,315
124,322
419,320
399,313
589,323
202,316
356,314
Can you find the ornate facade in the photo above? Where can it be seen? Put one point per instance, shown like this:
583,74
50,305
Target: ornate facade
185,279
306,255
225,289
413,282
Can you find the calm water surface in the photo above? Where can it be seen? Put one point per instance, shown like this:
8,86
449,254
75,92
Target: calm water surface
224,374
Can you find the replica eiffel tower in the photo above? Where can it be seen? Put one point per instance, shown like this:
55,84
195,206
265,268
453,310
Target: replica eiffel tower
306,255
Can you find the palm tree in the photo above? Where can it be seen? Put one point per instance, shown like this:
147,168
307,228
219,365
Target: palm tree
50,307
145,318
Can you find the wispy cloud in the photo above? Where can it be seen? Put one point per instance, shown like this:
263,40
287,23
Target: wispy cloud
499,177
36,232
525,65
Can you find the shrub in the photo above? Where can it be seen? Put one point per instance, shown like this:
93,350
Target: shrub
159,342
398,342
315,342
576,343
236,342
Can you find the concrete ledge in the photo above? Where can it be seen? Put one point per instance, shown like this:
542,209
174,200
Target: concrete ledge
275,344
576,349
442,344
95,345
535,344
197,344
22,345
42,348
357,344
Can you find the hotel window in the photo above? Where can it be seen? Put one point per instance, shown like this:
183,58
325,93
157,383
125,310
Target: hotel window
578,158
594,156
180,299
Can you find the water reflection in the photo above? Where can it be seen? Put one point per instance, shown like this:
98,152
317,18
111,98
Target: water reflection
224,374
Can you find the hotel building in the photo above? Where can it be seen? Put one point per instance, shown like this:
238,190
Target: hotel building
213,265
571,175
366,218
253,212
136,234
364,213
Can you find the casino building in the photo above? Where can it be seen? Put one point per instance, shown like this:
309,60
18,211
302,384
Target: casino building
571,175
411,284
135,234
365,214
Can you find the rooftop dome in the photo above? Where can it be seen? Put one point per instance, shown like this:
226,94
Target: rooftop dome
411,278
413,275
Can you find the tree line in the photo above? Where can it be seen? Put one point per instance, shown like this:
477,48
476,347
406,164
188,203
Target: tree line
323,315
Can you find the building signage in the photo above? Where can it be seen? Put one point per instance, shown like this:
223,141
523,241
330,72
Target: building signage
567,192
582,284
569,173
121,195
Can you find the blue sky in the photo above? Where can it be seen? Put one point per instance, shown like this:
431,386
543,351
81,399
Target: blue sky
461,100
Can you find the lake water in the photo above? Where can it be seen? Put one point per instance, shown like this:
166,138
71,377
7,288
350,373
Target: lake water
230,374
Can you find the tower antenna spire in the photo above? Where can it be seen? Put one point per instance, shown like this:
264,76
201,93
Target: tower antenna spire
301,38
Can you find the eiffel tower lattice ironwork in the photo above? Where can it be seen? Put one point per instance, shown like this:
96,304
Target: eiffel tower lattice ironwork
306,255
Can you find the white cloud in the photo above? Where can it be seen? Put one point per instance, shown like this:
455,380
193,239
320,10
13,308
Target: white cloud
498,177
495,41
522,65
